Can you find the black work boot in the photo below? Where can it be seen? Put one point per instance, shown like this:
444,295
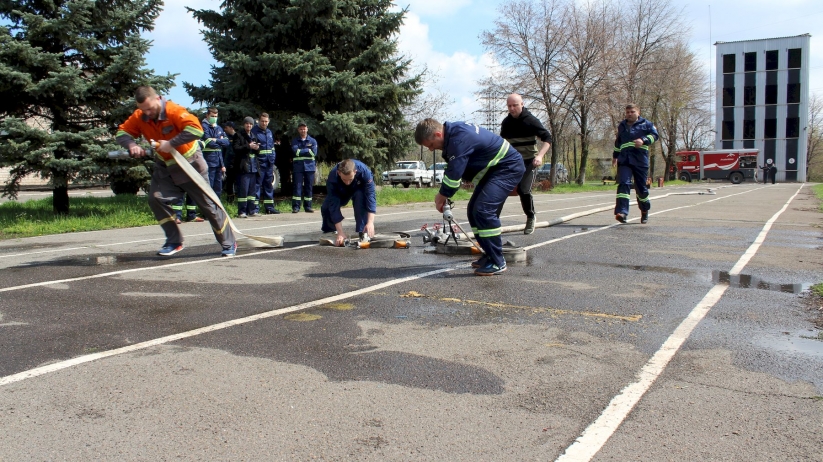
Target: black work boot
644,217
529,226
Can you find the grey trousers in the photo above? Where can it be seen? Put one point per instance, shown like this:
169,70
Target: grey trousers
168,185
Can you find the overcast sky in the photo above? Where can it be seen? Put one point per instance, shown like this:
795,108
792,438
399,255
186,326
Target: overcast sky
443,36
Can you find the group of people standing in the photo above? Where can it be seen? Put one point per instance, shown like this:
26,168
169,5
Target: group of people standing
247,156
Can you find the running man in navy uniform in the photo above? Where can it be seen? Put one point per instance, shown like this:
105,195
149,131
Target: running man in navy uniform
476,155
631,156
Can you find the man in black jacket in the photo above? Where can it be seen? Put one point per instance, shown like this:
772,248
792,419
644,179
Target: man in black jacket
521,129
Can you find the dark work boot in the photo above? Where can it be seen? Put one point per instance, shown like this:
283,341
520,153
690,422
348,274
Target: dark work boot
644,217
529,226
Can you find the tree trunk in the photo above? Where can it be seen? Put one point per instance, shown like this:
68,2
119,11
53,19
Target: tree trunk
60,200
584,147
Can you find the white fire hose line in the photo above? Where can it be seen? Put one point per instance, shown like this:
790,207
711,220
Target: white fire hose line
159,341
589,443
249,241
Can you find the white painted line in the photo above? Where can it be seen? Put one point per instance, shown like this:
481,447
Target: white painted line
214,327
598,432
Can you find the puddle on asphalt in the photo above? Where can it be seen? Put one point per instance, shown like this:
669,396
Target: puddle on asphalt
747,281
645,268
808,342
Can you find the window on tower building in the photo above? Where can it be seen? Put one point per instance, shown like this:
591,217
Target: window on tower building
771,94
771,60
728,64
794,58
793,93
728,96
750,62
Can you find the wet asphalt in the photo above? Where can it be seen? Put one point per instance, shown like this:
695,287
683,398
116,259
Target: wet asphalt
360,363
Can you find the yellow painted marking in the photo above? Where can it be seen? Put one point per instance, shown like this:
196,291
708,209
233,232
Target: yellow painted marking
555,311
339,306
412,294
302,317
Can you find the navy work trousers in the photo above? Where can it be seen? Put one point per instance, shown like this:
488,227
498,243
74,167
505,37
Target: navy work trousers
303,182
265,182
488,197
624,180
246,187
330,210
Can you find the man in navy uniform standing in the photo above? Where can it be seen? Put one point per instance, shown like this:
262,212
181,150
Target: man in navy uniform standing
304,148
265,165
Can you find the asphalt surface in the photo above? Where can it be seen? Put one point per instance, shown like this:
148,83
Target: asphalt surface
309,352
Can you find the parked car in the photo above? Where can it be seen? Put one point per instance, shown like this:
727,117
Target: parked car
544,171
410,172
438,173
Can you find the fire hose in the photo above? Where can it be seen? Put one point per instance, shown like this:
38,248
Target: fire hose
247,240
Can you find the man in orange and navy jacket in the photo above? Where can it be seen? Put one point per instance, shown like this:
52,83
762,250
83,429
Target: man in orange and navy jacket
174,128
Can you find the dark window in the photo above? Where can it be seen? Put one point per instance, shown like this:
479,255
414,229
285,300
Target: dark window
728,64
727,145
749,96
728,113
728,96
748,129
769,149
771,60
728,129
792,127
748,113
794,58
793,110
728,80
770,128
793,93
750,61
748,144
750,79
771,112
771,94
748,161
794,76
791,150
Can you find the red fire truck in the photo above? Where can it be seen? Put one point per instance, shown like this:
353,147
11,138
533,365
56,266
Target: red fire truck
734,165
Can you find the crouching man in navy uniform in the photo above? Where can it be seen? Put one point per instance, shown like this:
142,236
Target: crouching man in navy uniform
350,180
494,167
631,156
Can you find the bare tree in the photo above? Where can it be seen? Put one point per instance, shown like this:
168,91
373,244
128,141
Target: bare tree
530,40
815,133
586,65
679,89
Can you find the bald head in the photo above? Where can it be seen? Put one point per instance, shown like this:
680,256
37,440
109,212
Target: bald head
515,104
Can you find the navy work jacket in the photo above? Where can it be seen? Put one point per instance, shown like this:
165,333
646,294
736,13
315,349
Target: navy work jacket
363,180
624,150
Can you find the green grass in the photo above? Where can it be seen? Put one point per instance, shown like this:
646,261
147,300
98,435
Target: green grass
818,190
818,289
388,195
35,217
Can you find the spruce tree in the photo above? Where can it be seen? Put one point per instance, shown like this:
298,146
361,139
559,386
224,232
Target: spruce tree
68,69
330,63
